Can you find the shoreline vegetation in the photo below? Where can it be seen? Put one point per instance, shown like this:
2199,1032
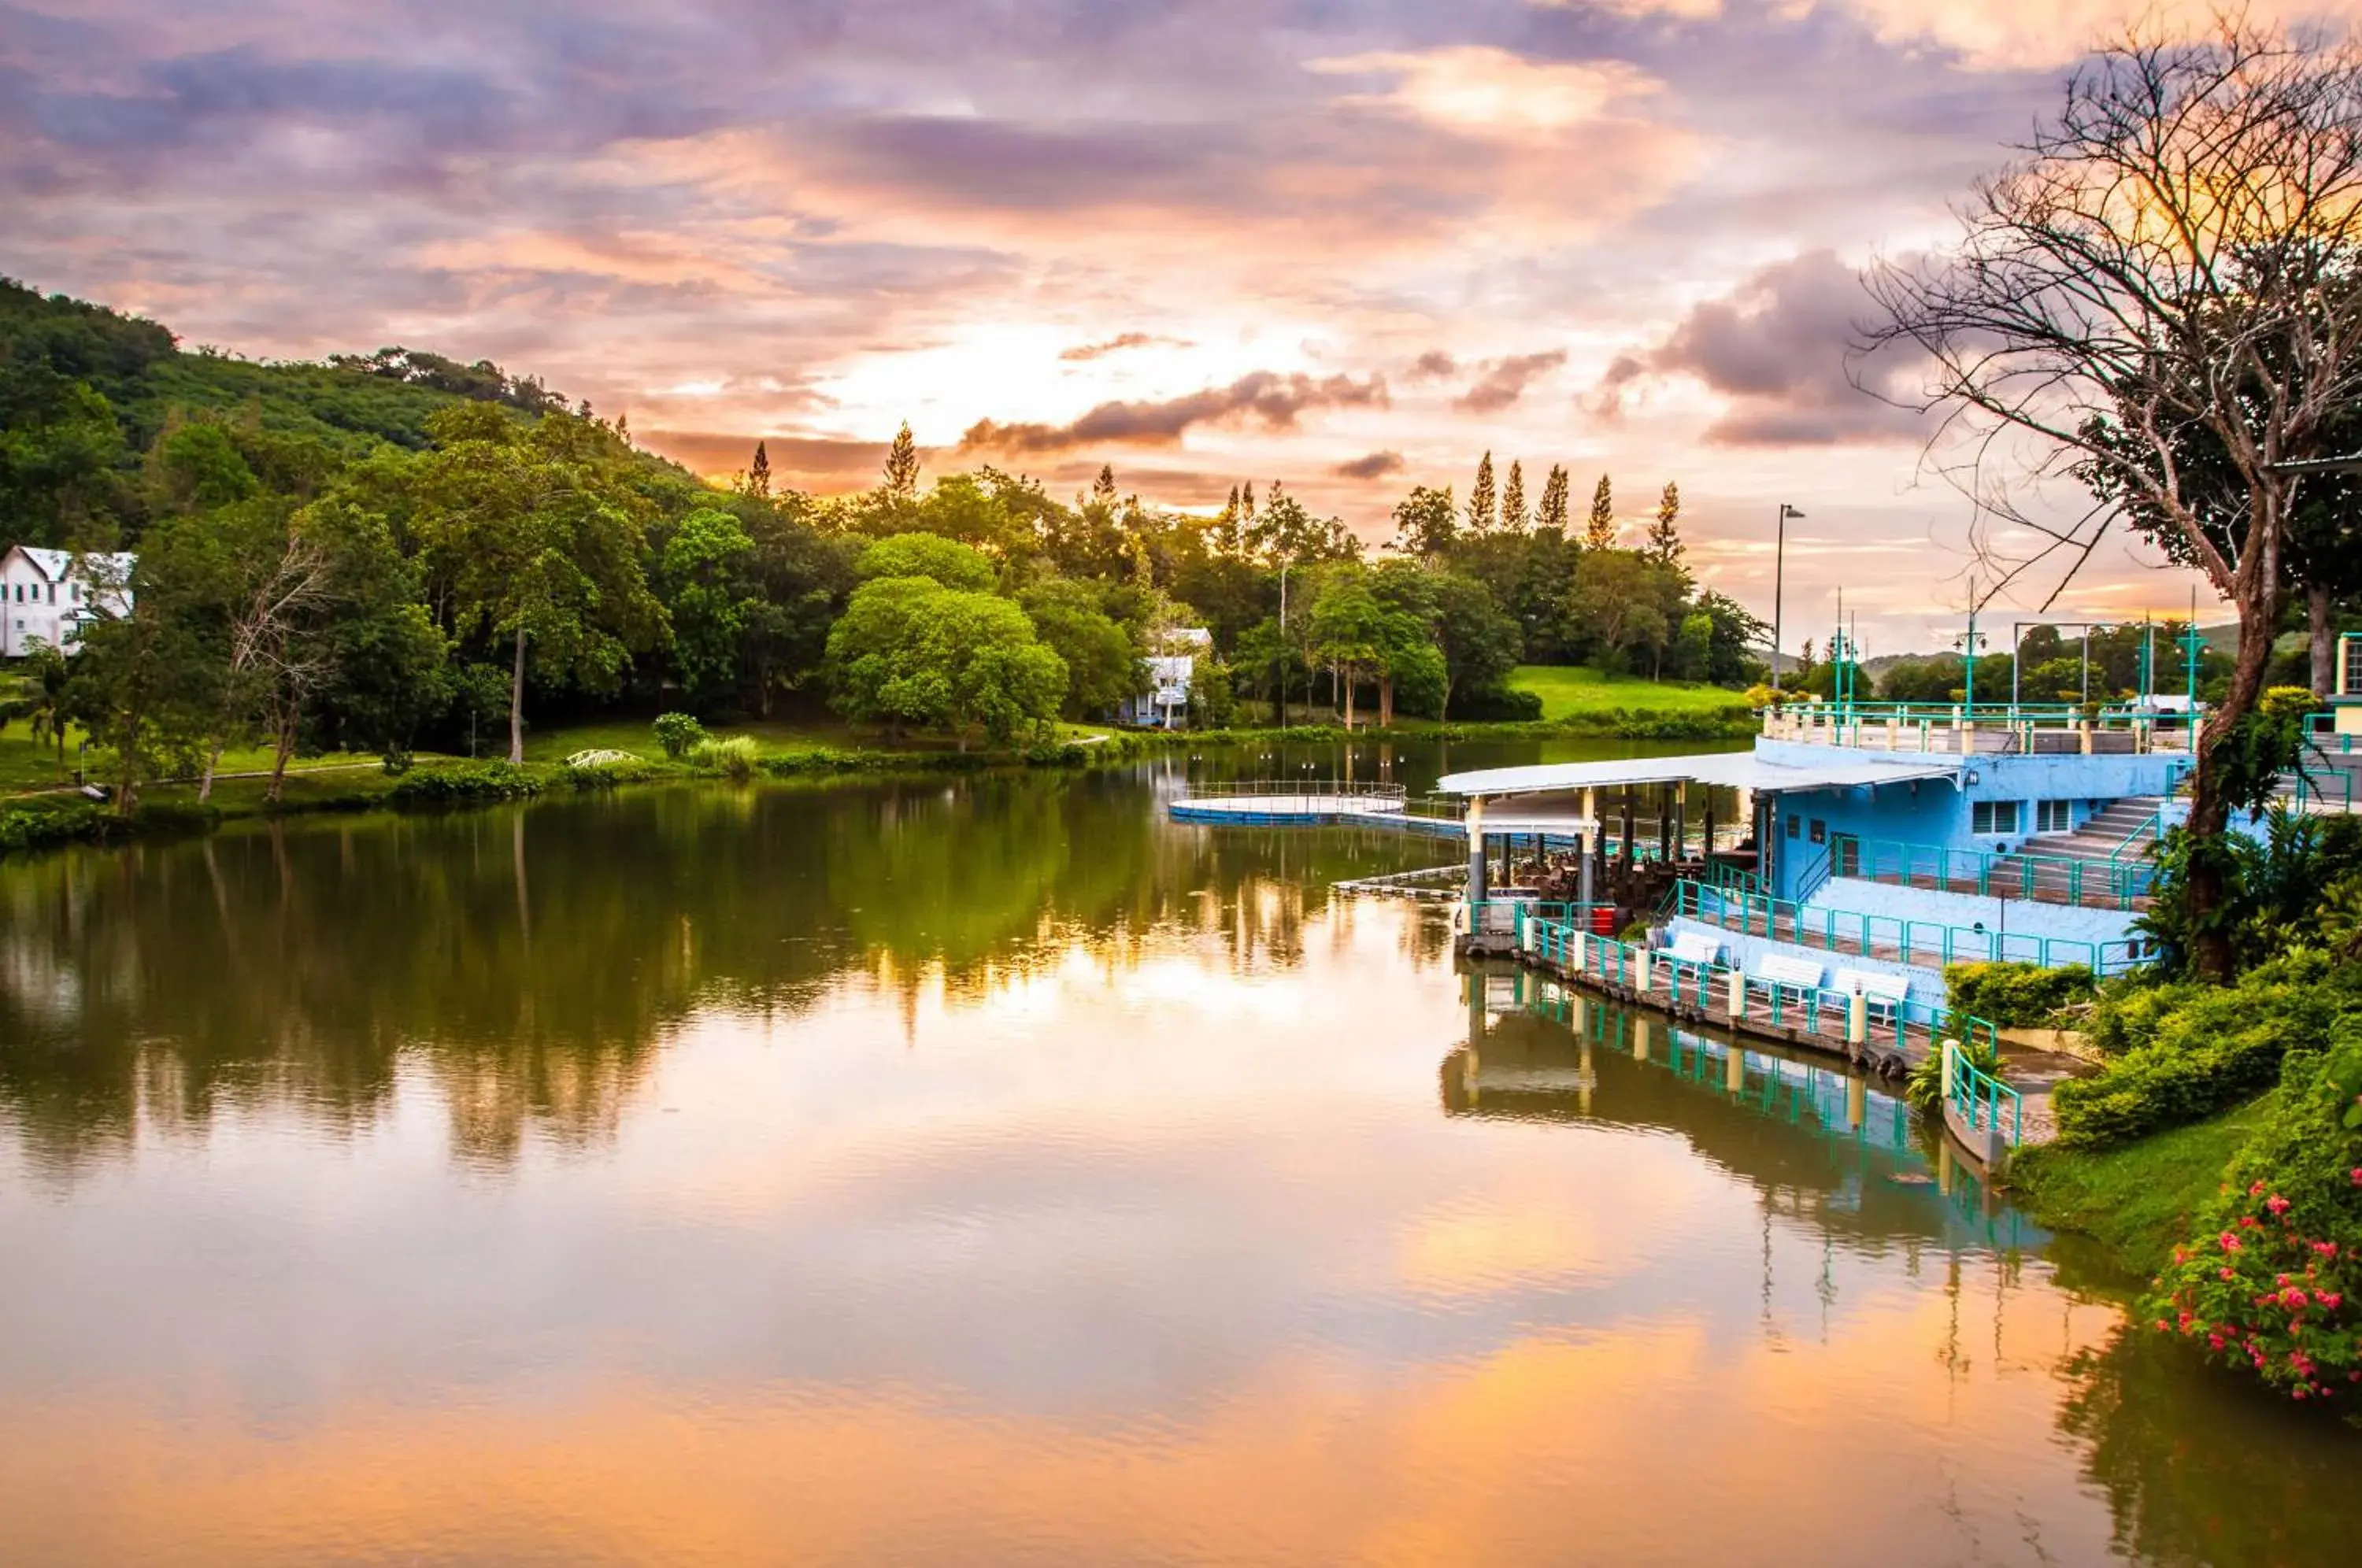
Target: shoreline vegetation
58,815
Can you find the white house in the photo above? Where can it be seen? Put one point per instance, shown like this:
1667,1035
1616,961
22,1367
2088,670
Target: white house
46,595
1170,669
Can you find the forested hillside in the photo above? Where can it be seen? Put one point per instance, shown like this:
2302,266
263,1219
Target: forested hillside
387,551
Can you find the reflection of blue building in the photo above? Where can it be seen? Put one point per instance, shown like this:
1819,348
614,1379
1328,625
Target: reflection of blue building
1880,839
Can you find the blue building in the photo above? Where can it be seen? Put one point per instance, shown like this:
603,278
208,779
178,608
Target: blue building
1861,840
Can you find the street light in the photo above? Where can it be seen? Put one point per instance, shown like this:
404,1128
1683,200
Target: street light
1779,572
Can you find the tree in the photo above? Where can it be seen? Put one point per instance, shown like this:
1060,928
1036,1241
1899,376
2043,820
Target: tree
1103,487
144,686
1426,522
946,561
2176,248
1458,619
1513,499
534,536
1351,631
1552,513
911,651
1599,534
1103,661
705,573
758,475
1481,517
45,704
1665,544
1625,606
902,465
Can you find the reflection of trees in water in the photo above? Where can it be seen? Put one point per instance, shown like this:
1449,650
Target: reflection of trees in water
2199,1468
526,961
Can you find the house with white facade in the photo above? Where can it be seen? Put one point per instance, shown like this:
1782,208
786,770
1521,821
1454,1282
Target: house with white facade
46,595
1171,669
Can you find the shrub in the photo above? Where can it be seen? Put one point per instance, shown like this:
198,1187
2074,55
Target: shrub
1923,1090
605,775
677,733
45,825
464,783
736,757
2203,1048
2018,995
1496,704
2272,1285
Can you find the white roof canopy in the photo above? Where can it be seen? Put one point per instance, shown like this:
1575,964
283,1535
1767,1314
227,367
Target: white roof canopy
1738,770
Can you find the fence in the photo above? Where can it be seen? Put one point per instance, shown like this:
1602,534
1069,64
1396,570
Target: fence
1836,1017
1892,936
1985,1103
2040,879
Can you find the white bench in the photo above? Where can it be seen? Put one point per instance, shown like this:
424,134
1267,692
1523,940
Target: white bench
1885,993
1694,947
1797,975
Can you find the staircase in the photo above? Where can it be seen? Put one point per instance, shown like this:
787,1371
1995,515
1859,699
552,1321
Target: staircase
2112,850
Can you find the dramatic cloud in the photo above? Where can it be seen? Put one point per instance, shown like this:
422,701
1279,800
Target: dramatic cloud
1265,397
1082,353
1780,349
1504,381
1378,465
1034,225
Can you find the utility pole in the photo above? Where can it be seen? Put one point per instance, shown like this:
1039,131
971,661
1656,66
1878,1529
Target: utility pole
1779,574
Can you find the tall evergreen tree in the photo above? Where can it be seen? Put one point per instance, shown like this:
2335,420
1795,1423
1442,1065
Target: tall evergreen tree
1480,517
758,472
1246,501
1664,531
1551,513
1103,487
1513,499
1599,534
902,465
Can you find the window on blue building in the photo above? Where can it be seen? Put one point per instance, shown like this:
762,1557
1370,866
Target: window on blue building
1992,816
1795,825
2054,816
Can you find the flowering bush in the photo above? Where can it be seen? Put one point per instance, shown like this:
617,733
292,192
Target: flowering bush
2274,1284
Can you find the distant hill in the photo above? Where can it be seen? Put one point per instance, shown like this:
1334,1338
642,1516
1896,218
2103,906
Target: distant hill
84,391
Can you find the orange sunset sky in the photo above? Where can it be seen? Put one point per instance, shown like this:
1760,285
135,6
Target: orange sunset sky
1345,244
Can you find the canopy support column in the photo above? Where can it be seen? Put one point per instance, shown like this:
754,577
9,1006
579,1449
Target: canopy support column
1477,891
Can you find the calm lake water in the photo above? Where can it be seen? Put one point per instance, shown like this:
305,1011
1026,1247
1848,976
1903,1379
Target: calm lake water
992,1171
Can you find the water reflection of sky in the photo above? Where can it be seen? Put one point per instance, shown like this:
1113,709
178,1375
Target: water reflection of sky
1138,1242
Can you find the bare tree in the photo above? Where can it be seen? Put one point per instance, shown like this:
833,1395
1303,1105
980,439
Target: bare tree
2176,250
285,584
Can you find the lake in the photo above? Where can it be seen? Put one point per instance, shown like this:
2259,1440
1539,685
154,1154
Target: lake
988,1169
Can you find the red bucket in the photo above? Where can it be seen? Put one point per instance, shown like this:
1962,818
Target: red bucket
1602,920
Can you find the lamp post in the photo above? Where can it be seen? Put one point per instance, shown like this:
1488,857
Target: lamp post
1779,573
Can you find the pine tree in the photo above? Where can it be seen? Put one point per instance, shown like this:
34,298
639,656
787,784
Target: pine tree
1103,487
1480,517
1228,535
1552,512
902,465
1600,533
623,428
1246,502
758,474
1513,499
1664,533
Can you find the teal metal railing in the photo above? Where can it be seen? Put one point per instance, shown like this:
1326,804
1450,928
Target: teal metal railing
1892,936
1814,1009
1981,1101
2049,878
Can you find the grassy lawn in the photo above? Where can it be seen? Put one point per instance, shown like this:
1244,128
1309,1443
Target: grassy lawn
26,767
1570,689
638,737
2137,1199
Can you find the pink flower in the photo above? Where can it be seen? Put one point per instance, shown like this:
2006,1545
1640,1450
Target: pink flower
2357,1175
2293,1298
2230,1273
2329,1298
2248,1222
2326,1249
2160,1325
2230,1242
2215,1342
2277,1204
2256,1191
